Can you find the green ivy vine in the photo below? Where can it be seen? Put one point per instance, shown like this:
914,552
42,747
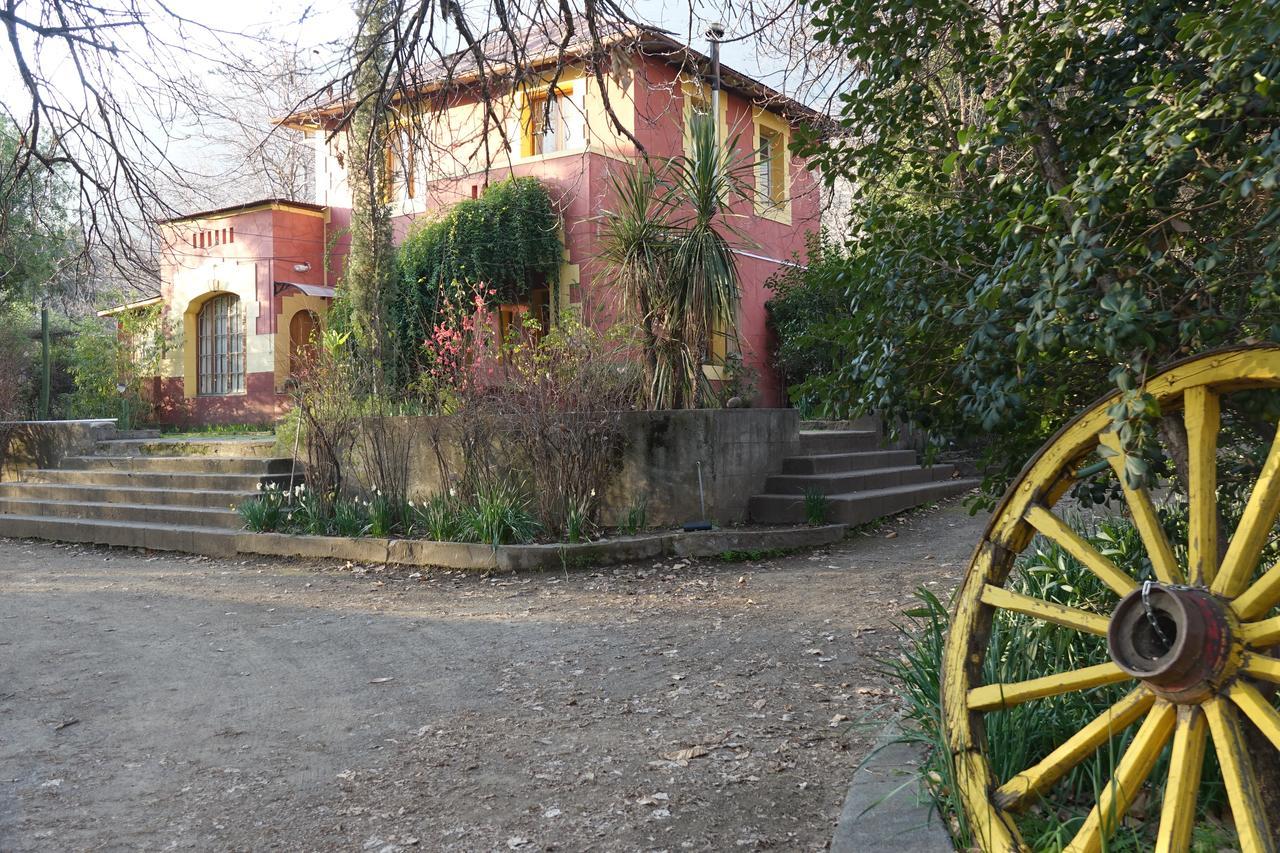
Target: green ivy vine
499,245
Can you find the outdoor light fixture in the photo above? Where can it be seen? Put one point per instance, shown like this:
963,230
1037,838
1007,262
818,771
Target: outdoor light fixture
302,267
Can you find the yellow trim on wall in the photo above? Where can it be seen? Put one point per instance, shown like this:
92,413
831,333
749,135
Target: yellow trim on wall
698,92
779,129
289,306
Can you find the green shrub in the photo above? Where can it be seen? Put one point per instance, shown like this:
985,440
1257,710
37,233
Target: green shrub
351,519
101,358
385,515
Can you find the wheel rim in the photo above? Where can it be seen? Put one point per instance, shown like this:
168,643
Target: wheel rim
1190,641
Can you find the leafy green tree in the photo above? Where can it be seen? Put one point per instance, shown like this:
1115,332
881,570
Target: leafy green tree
1053,199
36,240
101,358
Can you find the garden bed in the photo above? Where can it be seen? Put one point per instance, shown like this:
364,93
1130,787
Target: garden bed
508,558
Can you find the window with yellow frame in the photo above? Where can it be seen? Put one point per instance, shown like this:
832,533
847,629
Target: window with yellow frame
718,342
544,129
771,164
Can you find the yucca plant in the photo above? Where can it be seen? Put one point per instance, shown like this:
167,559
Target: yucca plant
669,242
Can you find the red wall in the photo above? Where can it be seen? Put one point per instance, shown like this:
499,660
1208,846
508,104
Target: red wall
279,239
274,240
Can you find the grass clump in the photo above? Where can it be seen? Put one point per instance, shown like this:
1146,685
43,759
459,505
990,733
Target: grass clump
637,517
817,506
495,515
498,514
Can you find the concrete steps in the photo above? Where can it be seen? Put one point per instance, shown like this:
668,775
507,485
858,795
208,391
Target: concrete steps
252,446
124,534
858,507
177,464
145,492
860,480
79,493
156,479
224,518
825,441
830,463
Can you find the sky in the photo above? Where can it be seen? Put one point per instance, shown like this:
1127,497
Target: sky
319,29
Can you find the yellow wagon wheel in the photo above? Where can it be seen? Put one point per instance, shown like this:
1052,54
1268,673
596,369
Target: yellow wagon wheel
1190,642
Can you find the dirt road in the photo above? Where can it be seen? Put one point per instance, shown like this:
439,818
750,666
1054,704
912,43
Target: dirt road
156,702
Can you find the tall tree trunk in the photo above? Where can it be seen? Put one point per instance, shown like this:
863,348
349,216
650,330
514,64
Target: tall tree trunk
369,275
1266,759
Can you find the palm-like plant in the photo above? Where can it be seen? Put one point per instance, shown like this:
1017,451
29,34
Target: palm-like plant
636,247
668,242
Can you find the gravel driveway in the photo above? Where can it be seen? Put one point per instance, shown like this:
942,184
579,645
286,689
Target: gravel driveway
156,702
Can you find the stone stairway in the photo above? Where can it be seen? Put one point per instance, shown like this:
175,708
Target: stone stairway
861,479
144,491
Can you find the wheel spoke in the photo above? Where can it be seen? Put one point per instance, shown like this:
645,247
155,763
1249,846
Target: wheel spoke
1178,814
1202,417
1134,768
1034,781
1261,635
1259,711
1237,774
993,696
1261,597
1145,518
1054,528
1255,525
1059,614
1262,667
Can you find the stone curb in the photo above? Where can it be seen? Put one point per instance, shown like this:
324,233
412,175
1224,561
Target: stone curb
886,808
511,558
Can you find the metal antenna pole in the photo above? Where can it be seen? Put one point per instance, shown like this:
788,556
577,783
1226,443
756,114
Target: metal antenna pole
715,32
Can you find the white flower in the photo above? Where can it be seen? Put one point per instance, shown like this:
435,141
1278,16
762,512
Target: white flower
259,486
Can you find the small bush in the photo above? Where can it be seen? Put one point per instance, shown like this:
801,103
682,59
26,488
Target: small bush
350,519
577,521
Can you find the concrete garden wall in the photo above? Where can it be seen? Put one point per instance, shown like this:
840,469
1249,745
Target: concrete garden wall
43,444
738,449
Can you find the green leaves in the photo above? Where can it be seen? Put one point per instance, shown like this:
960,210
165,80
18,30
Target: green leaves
506,241
1076,188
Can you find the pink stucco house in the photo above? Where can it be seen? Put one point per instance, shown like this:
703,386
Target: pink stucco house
243,286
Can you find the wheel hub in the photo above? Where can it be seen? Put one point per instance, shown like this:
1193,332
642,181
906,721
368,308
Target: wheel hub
1181,641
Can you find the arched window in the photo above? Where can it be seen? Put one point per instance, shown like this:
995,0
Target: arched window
220,330
304,338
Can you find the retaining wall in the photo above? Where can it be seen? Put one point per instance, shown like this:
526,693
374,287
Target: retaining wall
43,444
737,449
